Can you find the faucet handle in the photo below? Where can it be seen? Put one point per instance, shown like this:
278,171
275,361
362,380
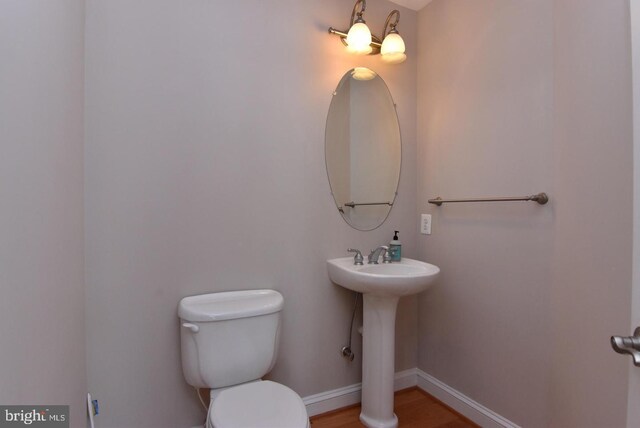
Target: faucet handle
357,259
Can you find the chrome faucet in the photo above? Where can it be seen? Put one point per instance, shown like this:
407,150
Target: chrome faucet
375,254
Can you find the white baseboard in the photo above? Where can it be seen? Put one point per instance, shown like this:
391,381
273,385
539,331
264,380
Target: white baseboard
405,379
462,404
331,400
349,395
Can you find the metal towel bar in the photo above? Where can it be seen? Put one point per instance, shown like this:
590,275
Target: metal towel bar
541,198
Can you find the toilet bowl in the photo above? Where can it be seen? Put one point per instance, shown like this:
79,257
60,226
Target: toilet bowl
262,404
229,341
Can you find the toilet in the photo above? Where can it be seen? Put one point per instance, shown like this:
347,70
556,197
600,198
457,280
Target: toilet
229,341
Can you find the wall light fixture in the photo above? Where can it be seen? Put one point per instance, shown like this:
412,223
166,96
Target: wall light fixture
359,40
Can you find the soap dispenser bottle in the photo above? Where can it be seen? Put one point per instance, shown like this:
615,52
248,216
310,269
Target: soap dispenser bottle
395,248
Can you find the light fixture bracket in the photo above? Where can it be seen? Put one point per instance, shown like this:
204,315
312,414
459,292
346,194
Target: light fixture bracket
393,24
356,17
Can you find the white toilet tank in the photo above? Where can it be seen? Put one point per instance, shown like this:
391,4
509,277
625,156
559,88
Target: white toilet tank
229,338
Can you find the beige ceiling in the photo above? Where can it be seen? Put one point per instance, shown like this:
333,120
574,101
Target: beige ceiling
412,4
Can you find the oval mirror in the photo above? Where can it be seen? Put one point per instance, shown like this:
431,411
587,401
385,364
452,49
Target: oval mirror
363,149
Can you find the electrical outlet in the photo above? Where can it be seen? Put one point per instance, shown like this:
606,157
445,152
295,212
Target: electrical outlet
425,224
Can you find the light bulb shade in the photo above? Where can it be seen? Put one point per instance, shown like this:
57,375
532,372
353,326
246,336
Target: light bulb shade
392,49
359,39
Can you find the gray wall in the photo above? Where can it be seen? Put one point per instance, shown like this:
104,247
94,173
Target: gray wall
593,144
205,172
529,294
42,357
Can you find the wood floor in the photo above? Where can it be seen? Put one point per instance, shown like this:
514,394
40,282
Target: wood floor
414,408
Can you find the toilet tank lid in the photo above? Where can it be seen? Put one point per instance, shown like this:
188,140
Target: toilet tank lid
230,305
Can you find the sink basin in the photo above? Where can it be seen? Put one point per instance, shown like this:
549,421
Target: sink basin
382,285
386,279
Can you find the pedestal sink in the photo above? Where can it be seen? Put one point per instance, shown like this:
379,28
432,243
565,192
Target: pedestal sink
382,285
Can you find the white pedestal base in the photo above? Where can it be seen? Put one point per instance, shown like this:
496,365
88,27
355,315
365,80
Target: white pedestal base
378,365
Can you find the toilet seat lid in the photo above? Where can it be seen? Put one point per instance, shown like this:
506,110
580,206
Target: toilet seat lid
262,404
